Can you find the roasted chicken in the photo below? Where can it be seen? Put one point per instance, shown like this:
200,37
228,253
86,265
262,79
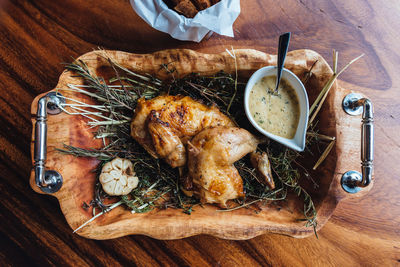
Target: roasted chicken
211,154
163,125
183,131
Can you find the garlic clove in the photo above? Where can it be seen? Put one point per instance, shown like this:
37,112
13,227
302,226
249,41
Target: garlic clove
109,187
105,178
123,180
126,164
117,163
133,181
118,190
107,167
115,174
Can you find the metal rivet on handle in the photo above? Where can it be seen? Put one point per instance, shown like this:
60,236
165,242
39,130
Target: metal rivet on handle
350,181
53,180
53,103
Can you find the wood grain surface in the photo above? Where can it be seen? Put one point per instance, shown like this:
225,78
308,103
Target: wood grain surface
37,36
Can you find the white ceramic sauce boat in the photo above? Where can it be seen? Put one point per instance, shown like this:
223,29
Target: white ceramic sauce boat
298,141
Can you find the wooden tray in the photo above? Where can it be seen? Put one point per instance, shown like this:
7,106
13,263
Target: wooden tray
172,224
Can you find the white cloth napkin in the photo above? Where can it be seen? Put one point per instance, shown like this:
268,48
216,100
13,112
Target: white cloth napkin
218,18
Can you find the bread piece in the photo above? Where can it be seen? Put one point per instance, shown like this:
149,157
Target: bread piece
213,2
186,8
201,4
170,3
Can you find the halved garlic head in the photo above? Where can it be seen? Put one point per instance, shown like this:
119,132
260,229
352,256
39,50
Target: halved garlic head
118,178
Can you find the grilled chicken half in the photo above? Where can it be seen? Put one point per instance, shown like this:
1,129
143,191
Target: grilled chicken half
211,155
163,125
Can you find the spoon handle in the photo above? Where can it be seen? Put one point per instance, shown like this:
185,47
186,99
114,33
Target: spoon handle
282,50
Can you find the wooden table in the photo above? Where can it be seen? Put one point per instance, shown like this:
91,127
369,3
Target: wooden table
36,37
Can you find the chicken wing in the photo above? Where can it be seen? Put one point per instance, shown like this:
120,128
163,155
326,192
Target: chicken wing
263,167
211,155
163,125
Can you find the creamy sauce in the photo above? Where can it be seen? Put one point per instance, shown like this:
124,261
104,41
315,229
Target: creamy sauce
276,114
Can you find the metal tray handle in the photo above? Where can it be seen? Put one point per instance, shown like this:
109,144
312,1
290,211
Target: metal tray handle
49,181
355,104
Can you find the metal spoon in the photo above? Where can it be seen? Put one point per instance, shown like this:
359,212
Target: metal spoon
282,51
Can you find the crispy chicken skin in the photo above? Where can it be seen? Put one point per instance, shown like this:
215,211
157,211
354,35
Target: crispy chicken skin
211,155
163,125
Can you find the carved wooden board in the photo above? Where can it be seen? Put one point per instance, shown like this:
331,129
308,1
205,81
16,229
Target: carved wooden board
172,224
